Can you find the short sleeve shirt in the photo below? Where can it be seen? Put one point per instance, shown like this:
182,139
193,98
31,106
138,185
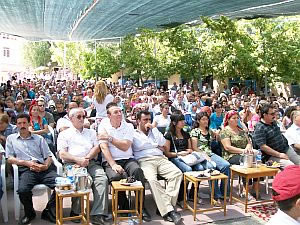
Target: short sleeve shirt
237,140
181,144
203,140
271,136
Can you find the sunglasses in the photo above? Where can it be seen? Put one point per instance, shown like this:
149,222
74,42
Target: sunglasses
41,105
80,117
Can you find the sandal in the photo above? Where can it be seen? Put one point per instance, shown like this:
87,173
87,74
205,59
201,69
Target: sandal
250,197
217,203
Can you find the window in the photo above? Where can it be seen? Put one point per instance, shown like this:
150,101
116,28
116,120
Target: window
6,52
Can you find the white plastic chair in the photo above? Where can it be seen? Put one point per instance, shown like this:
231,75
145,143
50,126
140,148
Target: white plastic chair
4,197
36,187
51,130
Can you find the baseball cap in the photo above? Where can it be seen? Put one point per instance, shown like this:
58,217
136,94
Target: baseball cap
286,183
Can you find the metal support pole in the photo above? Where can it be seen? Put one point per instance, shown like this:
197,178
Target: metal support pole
65,53
155,58
121,66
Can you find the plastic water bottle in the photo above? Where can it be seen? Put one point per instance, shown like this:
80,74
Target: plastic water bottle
70,174
258,158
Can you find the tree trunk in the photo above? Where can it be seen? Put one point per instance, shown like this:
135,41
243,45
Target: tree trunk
195,85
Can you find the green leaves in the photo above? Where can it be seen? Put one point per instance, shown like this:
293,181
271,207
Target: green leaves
37,54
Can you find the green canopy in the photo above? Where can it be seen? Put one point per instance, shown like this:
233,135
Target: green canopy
96,19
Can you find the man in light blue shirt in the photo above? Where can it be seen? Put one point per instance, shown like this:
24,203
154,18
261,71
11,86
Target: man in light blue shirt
32,155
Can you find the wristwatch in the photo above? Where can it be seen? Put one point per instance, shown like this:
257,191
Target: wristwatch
110,139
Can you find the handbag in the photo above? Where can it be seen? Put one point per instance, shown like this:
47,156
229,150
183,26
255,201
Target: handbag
192,158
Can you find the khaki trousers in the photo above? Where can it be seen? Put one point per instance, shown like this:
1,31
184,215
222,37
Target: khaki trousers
165,198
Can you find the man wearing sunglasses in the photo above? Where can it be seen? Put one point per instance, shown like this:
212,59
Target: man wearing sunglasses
78,145
268,137
116,138
43,113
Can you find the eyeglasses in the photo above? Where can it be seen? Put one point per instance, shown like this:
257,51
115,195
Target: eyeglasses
41,105
80,117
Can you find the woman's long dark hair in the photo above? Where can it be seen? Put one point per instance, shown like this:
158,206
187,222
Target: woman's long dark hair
175,118
198,117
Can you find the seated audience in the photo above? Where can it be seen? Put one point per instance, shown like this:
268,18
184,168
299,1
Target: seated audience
44,114
2,152
60,111
178,143
202,138
78,145
293,132
148,148
235,142
271,141
39,126
65,122
35,167
162,121
116,138
6,128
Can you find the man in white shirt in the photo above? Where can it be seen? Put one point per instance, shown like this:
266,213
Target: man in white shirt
148,146
116,137
286,193
65,122
293,133
79,145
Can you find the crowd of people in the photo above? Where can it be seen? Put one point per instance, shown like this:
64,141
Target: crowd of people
118,131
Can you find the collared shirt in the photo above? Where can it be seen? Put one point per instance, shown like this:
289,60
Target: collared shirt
10,129
77,143
271,136
124,132
63,122
147,145
2,149
281,218
34,147
292,134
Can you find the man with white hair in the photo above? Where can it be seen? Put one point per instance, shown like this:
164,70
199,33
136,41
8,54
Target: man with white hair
79,146
293,132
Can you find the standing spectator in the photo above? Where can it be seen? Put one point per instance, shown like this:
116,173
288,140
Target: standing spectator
101,98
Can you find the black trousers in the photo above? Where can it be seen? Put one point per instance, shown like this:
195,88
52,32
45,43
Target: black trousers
131,168
28,179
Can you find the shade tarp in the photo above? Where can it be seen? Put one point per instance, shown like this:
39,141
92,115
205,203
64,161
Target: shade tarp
97,19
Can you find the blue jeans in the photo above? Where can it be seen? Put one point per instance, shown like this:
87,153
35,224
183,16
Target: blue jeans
224,167
186,168
198,167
